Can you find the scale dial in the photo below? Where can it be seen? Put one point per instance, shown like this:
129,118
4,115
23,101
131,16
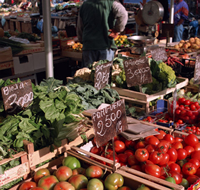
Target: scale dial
152,12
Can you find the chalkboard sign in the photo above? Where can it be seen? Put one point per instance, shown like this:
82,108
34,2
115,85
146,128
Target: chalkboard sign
137,71
109,122
197,71
17,96
159,54
102,75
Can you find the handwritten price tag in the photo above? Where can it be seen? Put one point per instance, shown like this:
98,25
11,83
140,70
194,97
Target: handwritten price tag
102,75
159,54
137,71
197,71
109,122
17,96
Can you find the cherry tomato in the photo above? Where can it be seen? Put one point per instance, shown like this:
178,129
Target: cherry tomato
189,168
175,167
182,154
192,107
181,107
180,121
173,155
129,143
181,100
191,140
141,154
178,139
140,144
136,167
187,102
198,172
96,150
144,164
123,158
177,111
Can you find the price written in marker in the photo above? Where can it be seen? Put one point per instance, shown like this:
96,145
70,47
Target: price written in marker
159,54
102,75
17,96
197,71
137,71
109,122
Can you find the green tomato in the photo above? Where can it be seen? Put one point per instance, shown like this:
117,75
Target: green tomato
95,184
71,162
170,179
142,187
113,181
185,183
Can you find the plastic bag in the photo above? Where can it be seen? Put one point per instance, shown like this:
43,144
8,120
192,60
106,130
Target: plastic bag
40,25
3,21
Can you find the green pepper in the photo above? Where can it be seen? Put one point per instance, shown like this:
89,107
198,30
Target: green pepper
113,181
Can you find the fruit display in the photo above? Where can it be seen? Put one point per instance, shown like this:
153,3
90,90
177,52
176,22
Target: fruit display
122,41
73,175
175,159
77,46
192,43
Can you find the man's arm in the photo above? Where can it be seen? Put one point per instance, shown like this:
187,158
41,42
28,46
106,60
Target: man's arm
79,29
121,16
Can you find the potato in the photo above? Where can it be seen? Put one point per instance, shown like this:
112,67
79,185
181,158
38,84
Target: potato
192,40
185,46
197,42
182,41
176,46
180,45
188,44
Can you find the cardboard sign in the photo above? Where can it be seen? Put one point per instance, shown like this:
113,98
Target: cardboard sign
17,96
137,71
102,75
197,71
109,122
159,54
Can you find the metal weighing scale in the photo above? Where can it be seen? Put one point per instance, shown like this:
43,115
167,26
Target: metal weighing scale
151,14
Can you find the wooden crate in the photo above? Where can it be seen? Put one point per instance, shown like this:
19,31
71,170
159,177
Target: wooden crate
26,27
72,54
145,99
44,154
192,88
17,172
130,180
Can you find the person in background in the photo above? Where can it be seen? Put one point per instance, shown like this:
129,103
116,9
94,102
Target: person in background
25,4
180,14
99,22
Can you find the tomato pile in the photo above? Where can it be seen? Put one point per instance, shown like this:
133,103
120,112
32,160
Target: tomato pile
192,130
186,110
71,176
175,159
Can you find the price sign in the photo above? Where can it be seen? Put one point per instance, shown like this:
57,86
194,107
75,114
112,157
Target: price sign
109,122
137,71
102,75
17,96
197,71
159,54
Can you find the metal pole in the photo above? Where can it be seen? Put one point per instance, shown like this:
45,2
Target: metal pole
47,38
171,18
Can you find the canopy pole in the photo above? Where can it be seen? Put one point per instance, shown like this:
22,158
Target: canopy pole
171,18
47,38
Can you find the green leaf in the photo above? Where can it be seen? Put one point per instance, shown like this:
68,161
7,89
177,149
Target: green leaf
1,170
48,107
52,95
27,113
26,126
59,105
51,83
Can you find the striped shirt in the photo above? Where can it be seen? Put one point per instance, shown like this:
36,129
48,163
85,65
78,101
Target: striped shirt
180,11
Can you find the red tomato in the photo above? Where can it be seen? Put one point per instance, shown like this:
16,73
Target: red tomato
163,146
195,162
119,146
175,167
132,160
140,144
40,173
27,185
156,157
63,173
153,169
153,141
197,147
129,152
189,149
169,138
180,121
192,107
96,150
173,155
141,154
181,100
63,185
198,172
129,144
187,102
192,179
164,160
182,154
177,111
161,135
47,182
123,158
189,168
150,148
178,139
177,145
136,167
177,176
143,164
191,140
196,154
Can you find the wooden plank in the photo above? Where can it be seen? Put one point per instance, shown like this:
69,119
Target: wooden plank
152,178
26,27
6,65
18,26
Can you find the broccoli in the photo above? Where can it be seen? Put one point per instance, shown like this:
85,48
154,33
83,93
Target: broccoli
152,88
